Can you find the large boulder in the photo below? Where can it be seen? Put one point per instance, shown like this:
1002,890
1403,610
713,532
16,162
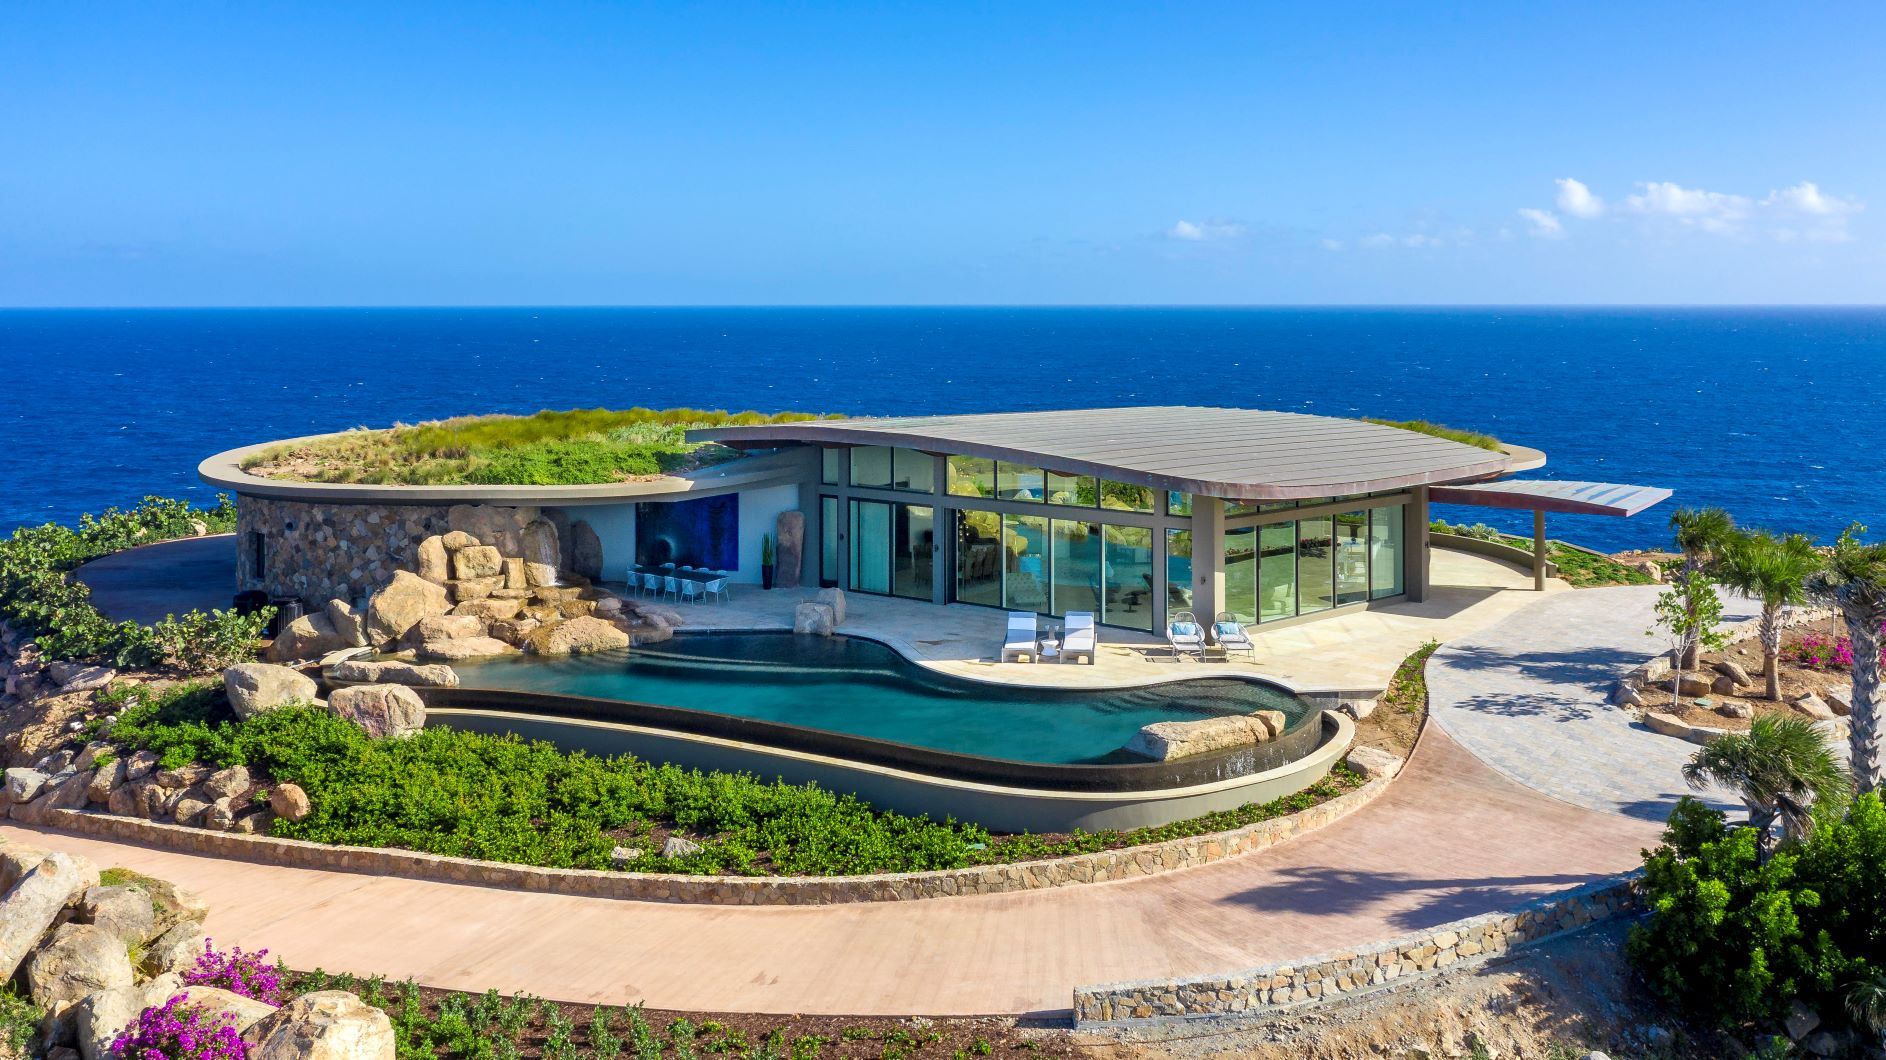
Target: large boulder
101,1017
417,675
308,637
513,631
213,1001
1166,740
324,1025
446,627
23,784
465,590
430,560
537,543
174,951
478,561
834,599
380,710
1372,762
125,911
83,678
489,609
1814,707
464,648
1734,672
788,549
31,905
399,607
290,802
16,860
67,791
257,687
585,551
576,637
812,618
81,959
349,622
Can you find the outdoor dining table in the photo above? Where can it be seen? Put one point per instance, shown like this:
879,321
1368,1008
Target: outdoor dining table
702,576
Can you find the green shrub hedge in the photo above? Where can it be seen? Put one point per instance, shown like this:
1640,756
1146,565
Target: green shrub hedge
39,600
467,794
1731,939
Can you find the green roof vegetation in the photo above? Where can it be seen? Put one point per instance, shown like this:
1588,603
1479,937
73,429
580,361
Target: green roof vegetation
1452,434
551,448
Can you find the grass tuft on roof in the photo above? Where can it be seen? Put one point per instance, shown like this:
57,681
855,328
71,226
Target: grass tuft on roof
1452,434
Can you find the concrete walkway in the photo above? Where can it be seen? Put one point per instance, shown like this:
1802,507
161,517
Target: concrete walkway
1530,697
1451,838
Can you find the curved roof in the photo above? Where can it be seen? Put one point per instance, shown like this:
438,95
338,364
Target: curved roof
225,471
1239,454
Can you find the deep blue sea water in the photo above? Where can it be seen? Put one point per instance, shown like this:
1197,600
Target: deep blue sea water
1775,414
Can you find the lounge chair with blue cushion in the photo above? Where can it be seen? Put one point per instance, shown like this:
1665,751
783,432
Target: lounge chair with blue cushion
1078,639
1185,635
1232,635
1020,639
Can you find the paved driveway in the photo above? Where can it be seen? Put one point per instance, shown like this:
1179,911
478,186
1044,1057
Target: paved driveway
1531,698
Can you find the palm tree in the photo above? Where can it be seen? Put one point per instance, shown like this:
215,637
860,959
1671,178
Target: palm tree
1780,769
1854,580
1700,535
1773,570
1866,1003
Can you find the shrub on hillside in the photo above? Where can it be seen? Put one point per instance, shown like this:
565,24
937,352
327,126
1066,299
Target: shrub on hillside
1731,939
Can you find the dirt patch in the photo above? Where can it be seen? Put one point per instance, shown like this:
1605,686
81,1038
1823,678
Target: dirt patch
1396,722
1555,1001
1798,678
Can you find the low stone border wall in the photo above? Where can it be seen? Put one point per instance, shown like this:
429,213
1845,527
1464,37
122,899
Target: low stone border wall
1313,980
1151,859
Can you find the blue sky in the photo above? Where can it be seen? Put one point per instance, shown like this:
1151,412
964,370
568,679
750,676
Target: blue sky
393,154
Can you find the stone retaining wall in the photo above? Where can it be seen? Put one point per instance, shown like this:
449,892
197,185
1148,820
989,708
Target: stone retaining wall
1149,860
322,552
1313,980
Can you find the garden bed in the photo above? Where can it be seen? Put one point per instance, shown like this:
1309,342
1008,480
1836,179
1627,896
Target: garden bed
575,447
1810,664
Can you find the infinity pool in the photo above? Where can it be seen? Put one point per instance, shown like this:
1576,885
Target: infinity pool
862,688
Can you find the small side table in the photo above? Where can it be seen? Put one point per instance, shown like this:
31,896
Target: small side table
1050,650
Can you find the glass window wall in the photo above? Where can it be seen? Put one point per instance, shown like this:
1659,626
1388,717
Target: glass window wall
1178,570
870,546
1315,570
912,562
830,463
1128,581
1352,557
1025,563
1277,572
1075,567
1178,503
828,541
1016,482
1123,497
1074,490
1385,552
912,470
970,476
1240,575
979,558
871,466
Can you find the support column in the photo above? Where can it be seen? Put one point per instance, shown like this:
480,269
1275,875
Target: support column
1538,549
1414,530
1208,558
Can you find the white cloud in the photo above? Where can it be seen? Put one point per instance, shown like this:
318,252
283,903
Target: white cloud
1378,241
1542,223
1204,231
1807,198
1423,240
1332,244
1577,200
1711,211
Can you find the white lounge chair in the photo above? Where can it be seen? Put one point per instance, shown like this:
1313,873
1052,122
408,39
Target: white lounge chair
1020,639
1185,635
1078,639
1232,635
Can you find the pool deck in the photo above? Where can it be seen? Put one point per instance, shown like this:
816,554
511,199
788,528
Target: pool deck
1356,652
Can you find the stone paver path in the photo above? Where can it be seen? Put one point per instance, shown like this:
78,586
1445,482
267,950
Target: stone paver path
1531,697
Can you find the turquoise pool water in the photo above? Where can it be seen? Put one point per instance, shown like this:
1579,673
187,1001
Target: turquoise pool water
860,687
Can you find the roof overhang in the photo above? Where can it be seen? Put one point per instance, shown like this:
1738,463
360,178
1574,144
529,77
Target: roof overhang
1237,454
1570,498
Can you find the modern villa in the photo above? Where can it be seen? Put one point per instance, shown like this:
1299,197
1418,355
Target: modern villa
1130,514
1128,518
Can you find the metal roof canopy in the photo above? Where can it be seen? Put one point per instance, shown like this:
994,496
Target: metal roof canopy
1568,498
1238,454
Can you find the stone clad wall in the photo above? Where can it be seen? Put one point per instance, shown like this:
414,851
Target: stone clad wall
1314,979
322,552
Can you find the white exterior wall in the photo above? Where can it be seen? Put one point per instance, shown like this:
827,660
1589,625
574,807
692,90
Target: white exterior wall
615,526
759,513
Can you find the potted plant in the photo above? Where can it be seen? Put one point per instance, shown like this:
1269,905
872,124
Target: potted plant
766,561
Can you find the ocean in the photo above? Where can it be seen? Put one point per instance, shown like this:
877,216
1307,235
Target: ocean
1774,414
